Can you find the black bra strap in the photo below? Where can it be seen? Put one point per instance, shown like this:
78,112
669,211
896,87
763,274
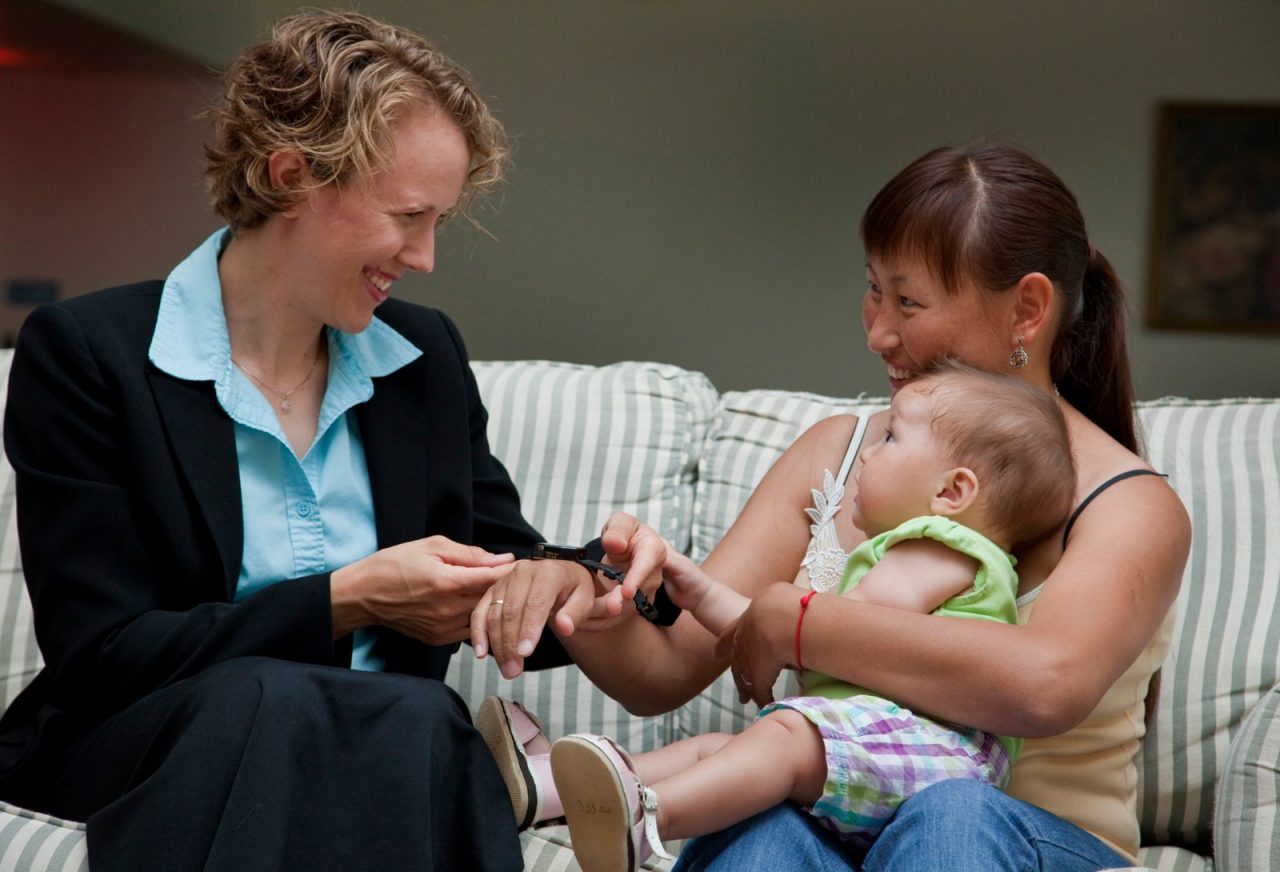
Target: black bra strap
1099,489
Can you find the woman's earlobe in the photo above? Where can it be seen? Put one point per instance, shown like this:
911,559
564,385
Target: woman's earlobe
1035,295
288,171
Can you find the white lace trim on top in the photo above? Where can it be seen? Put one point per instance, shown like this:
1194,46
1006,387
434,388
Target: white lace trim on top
825,559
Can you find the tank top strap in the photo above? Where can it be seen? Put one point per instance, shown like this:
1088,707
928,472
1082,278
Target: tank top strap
1066,531
855,445
824,559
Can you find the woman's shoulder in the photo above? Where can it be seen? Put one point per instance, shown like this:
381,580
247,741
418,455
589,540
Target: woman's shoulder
120,318
1117,489
137,298
823,445
821,449
405,316
1099,458
836,431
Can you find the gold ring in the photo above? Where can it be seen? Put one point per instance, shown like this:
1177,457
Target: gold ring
496,603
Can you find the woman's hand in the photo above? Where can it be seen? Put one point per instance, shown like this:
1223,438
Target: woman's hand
425,589
508,619
759,642
573,598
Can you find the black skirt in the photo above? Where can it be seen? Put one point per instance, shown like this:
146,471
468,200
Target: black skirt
267,764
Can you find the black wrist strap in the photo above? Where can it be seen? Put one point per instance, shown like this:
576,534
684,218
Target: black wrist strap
660,610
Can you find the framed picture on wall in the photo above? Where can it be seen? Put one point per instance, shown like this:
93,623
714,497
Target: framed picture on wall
1215,240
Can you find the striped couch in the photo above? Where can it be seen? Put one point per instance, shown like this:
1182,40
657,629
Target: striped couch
662,443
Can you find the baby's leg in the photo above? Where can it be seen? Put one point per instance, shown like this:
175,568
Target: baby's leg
780,756
664,762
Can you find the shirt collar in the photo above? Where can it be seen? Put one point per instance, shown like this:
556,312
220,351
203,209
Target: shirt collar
190,340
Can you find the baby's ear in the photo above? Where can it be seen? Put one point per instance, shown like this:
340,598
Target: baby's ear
957,492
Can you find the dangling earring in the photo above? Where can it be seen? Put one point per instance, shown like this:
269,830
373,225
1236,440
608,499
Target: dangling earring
1018,359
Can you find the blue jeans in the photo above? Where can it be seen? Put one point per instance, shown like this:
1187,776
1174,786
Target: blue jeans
965,826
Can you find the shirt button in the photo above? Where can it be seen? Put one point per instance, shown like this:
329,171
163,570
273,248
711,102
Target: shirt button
304,510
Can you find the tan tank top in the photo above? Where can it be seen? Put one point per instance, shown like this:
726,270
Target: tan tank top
1089,775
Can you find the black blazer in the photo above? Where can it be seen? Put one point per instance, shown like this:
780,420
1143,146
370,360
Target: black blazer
129,513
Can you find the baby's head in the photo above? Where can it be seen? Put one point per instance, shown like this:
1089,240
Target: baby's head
987,449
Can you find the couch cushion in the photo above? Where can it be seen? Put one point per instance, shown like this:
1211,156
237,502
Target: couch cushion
1245,836
31,842
1167,859
750,431
581,442
1222,457
19,657
546,849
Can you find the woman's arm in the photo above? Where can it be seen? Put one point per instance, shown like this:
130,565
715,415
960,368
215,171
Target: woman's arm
651,669
1096,612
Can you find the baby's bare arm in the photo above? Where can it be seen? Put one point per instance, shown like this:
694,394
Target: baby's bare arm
917,575
713,604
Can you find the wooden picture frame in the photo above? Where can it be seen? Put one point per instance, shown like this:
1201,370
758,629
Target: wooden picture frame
1215,231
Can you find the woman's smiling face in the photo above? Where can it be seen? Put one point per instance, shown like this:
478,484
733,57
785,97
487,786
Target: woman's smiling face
356,239
911,320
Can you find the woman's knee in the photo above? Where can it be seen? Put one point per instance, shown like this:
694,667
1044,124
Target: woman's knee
961,823
971,825
264,686
782,837
959,799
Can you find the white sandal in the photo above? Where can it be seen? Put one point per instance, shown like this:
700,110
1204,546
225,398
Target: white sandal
613,818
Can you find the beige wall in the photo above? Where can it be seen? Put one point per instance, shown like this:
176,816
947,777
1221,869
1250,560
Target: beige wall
99,179
689,173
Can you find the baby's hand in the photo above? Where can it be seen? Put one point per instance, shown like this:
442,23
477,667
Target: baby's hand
684,580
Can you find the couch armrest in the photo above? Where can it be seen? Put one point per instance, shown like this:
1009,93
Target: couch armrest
1246,820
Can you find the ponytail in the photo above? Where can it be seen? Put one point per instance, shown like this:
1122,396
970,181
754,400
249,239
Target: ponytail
1089,365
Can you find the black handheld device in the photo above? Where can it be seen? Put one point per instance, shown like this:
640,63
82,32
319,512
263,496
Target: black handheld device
577,554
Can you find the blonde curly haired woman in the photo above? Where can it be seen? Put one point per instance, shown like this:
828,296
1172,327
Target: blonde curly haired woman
256,502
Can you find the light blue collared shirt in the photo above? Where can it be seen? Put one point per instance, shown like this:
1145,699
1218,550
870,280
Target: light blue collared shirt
301,517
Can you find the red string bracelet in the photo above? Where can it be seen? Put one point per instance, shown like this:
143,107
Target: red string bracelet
804,606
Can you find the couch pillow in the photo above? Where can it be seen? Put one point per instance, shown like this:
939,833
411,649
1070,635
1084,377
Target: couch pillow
19,657
1245,838
1164,858
750,431
30,841
581,442
1223,459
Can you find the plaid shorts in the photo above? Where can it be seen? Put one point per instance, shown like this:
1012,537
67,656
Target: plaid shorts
879,754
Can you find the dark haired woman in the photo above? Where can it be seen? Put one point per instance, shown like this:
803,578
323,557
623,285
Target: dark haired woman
979,254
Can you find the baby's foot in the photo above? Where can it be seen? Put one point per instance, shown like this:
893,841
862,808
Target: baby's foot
613,818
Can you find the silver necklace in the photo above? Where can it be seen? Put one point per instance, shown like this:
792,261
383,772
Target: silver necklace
283,395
